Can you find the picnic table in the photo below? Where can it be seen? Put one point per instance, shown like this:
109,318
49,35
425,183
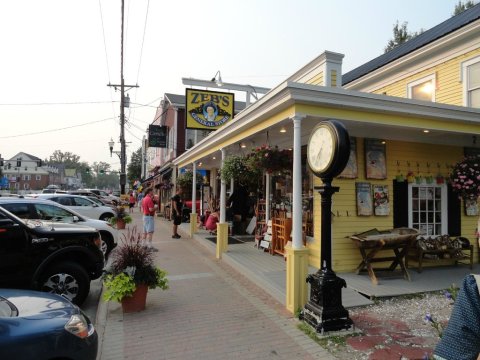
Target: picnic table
372,242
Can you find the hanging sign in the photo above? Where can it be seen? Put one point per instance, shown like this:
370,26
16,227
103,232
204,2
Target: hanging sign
157,136
208,110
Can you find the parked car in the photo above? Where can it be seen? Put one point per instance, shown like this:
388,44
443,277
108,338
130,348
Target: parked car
38,209
47,256
104,195
80,204
41,326
102,202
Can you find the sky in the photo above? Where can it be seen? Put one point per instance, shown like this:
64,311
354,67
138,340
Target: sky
59,55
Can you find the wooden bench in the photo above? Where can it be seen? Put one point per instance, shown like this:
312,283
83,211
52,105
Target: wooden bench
435,249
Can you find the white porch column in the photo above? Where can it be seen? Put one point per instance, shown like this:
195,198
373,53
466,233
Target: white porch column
232,186
193,215
194,189
222,226
267,197
297,211
223,193
297,254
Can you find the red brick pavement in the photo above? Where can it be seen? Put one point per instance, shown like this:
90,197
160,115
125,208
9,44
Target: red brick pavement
211,312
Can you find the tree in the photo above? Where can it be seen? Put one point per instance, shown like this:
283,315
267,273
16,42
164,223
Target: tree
400,36
67,158
461,7
134,168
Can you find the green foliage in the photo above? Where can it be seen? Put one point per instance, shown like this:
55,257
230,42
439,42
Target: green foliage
465,178
185,180
461,7
234,167
270,159
118,286
134,167
400,35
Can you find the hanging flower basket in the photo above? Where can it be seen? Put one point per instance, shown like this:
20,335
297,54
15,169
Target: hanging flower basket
270,159
465,178
236,167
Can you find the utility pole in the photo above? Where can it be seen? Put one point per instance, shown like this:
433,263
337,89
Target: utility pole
123,153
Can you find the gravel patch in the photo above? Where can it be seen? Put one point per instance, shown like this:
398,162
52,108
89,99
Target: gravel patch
392,325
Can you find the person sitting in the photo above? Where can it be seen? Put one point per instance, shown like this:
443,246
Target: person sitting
211,223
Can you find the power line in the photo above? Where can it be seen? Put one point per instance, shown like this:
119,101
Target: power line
106,56
143,40
54,130
58,103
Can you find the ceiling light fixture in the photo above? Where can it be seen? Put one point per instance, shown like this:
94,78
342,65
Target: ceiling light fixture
243,146
283,130
426,131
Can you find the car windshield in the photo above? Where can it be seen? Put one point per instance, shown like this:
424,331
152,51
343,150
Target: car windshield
53,213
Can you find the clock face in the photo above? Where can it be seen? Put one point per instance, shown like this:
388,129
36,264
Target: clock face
321,146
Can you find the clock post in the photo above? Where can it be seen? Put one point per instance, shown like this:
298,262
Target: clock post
324,311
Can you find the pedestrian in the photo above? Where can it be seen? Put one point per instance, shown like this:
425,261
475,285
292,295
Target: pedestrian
131,202
461,338
239,204
148,210
139,200
176,207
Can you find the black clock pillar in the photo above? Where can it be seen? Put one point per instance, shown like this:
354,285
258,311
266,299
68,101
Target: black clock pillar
326,191
324,311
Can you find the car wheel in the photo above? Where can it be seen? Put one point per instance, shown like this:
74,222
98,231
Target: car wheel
107,244
106,216
67,279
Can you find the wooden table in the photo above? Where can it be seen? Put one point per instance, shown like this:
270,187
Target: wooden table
397,240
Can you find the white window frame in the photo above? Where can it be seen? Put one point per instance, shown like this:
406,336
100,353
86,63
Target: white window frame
465,79
432,78
444,205
26,186
38,177
27,177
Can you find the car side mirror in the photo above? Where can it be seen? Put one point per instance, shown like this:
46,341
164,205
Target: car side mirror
75,218
95,205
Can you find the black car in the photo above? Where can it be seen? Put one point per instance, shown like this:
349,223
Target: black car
53,257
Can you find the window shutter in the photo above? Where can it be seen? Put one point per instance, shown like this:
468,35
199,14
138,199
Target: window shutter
454,213
400,204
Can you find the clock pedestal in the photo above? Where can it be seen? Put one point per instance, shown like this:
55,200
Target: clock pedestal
324,311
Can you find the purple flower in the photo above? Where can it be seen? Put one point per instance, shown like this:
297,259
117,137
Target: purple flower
428,318
448,295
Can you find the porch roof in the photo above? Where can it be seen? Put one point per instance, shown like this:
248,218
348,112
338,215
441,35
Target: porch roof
363,114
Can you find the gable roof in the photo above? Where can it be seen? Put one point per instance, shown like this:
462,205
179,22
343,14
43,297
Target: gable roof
435,33
179,101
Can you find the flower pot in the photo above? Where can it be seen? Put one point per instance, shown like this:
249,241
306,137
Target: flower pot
400,178
440,179
120,224
137,301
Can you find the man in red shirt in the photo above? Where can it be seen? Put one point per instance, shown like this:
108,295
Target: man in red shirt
148,211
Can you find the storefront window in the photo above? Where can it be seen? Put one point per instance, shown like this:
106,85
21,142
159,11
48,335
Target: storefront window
428,208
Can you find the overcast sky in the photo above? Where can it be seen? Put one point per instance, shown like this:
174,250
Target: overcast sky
59,55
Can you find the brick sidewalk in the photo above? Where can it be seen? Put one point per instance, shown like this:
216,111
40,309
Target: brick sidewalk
210,312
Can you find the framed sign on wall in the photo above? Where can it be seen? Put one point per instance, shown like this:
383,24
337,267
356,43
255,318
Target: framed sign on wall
375,160
364,198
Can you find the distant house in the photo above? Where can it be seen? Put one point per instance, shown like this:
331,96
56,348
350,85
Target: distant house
25,172
72,179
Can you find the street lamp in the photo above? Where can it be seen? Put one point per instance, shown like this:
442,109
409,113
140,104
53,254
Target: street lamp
219,80
110,145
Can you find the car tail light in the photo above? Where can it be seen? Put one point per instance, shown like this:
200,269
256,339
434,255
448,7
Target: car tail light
78,326
98,241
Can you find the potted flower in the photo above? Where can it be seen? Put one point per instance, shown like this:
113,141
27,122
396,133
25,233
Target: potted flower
131,273
121,218
465,177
